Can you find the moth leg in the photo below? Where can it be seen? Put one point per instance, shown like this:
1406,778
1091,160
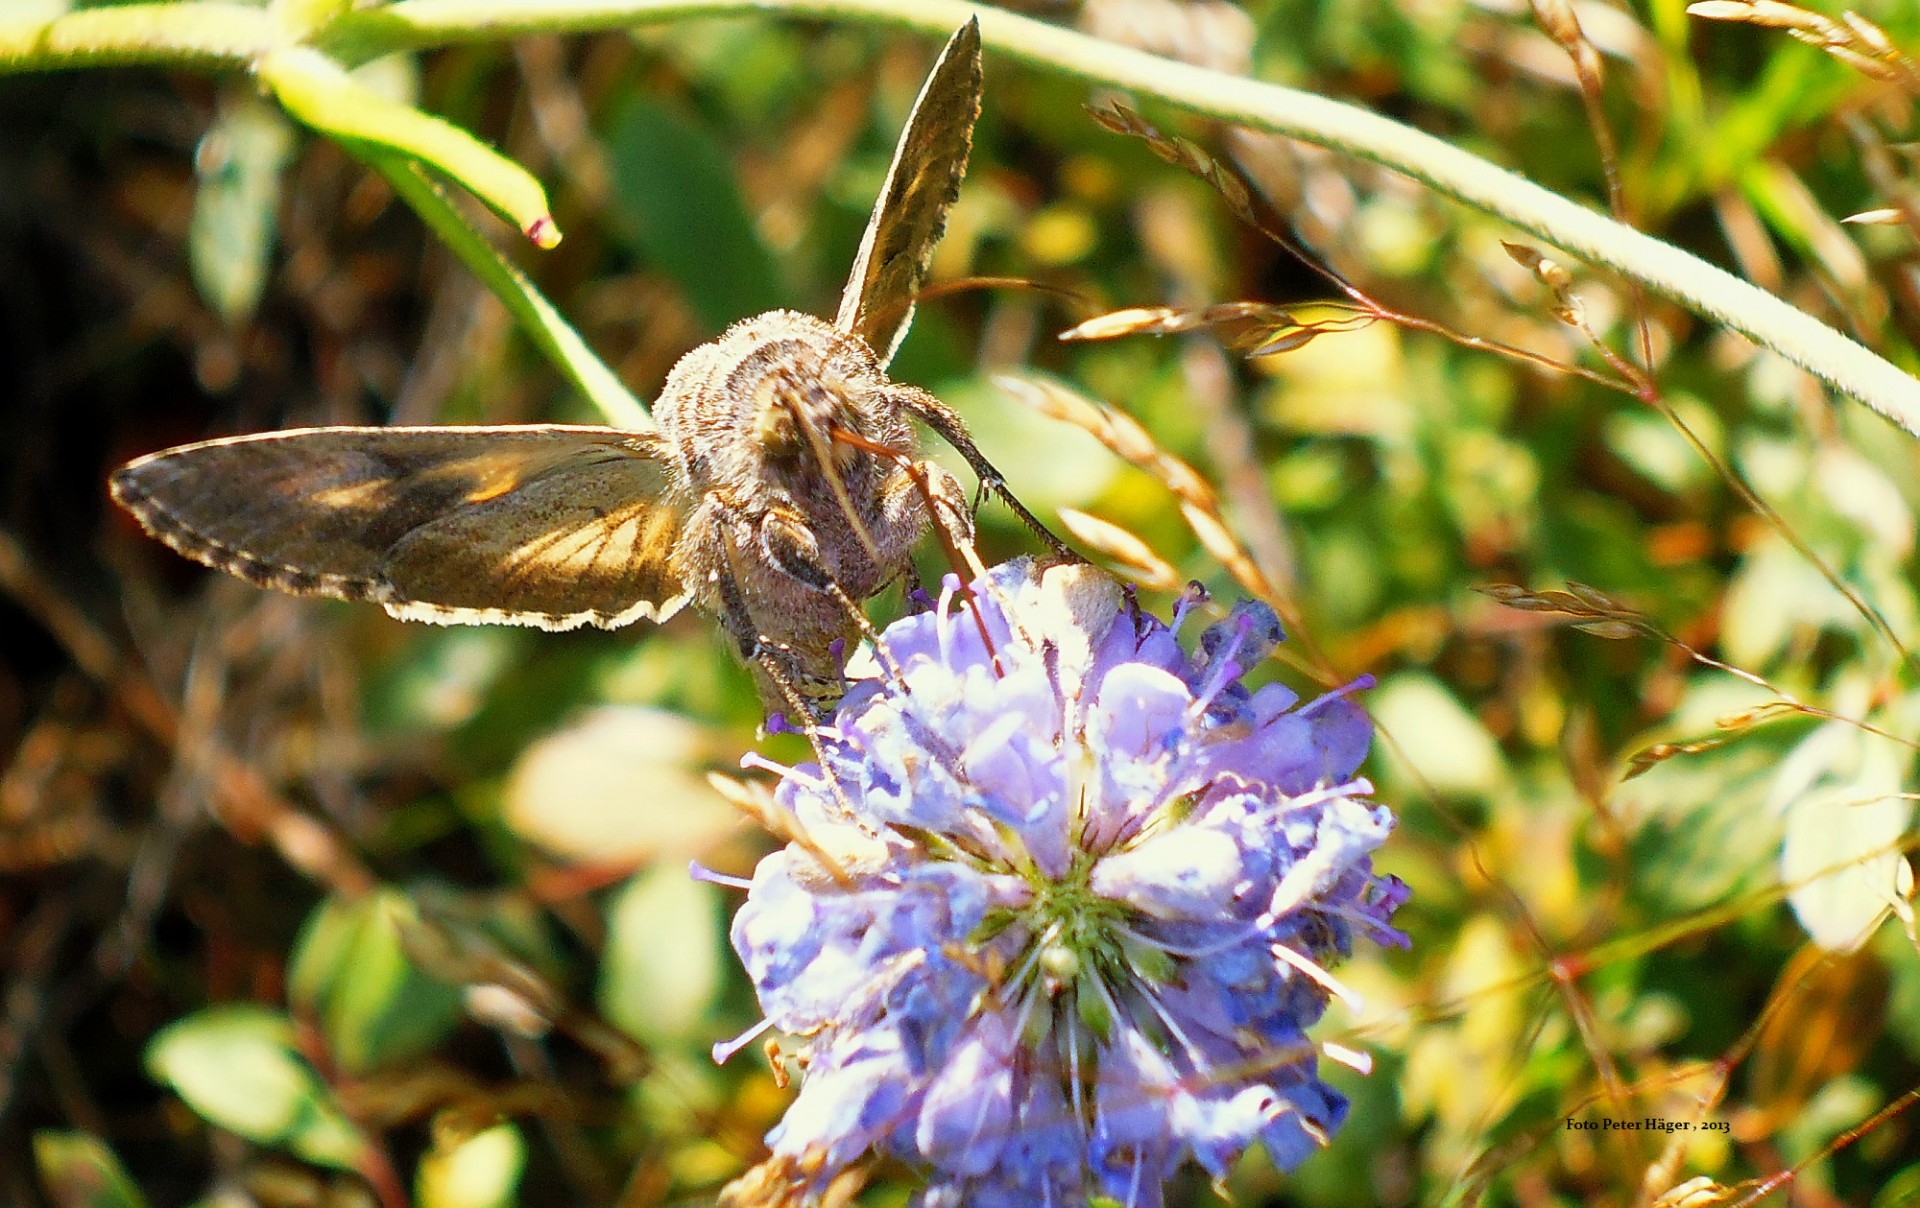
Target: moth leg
735,618
755,646
770,662
949,427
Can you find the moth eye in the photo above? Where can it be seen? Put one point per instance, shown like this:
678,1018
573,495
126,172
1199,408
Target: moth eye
789,400
775,429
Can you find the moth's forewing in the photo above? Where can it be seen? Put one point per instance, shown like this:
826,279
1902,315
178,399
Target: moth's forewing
911,212
551,526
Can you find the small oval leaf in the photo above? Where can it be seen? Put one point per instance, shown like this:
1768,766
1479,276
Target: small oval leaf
77,1170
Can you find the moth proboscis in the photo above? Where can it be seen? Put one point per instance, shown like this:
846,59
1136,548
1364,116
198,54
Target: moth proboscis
781,489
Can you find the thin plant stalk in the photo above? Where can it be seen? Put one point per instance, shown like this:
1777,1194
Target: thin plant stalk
224,34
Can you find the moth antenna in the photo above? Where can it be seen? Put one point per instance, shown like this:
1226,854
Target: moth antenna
818,443
962,557
1071,298
916,472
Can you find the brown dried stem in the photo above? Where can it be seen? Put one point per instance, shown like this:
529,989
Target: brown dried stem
247,805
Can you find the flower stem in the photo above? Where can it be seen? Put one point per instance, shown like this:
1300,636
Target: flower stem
536,316
207,35
1708,291
319,92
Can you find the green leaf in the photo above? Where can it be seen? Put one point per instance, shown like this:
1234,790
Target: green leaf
237,1068
1649,443
1702,834
324,95
77,1170
375,1008
1845,813
677,198
1775,595
544,325
1901,1191
230,240
323,949
1057,464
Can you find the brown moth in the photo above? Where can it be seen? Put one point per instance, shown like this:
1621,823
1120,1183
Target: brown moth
779,491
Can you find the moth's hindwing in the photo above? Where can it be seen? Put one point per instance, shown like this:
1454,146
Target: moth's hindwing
911,212
552,526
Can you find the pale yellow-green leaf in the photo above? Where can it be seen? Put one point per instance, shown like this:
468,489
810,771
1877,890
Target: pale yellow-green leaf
1774,593
478,1171
662,969
1840,858
236,1067
1429,732
1462,1074
1862,492
622,785
1649,442
1055,464
1398,233
1342,383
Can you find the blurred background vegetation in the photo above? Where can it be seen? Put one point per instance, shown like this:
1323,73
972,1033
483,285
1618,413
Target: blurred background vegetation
306,907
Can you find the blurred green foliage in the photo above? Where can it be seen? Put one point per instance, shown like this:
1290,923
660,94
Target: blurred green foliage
475,974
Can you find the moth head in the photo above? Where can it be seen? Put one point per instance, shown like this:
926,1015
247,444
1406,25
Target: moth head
797,406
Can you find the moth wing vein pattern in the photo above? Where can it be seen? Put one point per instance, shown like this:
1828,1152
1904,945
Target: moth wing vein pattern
923,182
451,525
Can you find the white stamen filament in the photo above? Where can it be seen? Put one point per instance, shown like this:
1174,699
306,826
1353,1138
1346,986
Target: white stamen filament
755,761
724,1049
1353,1059
1318,976
701,872
1034,953
943,619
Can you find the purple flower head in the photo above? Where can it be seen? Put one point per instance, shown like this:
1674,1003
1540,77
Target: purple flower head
1062,902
